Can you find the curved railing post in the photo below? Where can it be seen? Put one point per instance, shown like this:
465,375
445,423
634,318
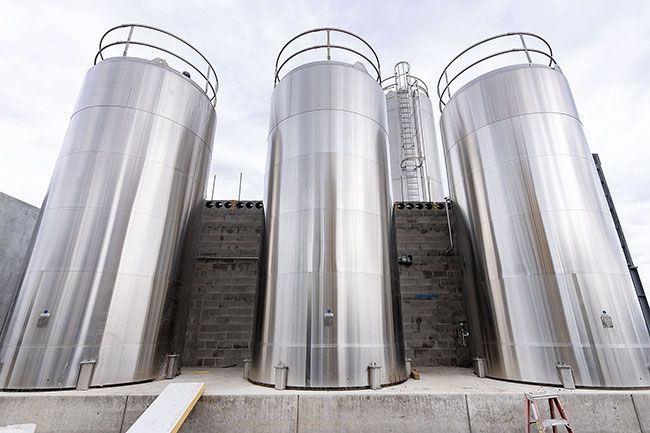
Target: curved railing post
128,41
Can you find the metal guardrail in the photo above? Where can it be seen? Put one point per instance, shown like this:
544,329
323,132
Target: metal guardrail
210,76
329,47
525,49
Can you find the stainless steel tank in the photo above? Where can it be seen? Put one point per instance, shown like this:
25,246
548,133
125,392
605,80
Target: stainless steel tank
551,290
93,305
328,310
416,172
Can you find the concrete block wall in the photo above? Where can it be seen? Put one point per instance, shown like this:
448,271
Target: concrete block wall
17,222
223,262
431,287
221,286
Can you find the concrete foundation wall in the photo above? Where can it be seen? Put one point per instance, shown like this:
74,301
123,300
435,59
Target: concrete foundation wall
307,413
17,222
222,256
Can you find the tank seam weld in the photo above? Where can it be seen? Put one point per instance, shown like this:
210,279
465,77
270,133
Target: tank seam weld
129,211
508,118
496,220
558,273
148,112
381,165
76,152
267,275
102,272
273,215
325,109
521,159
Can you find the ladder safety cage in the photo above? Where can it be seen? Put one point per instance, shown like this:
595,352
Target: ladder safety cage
407,88
547,53
372,60
389,83
211,86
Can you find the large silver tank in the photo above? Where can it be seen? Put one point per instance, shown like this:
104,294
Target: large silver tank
328,303
551,284
99,281
411,122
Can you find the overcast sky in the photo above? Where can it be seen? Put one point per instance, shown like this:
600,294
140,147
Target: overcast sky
603,48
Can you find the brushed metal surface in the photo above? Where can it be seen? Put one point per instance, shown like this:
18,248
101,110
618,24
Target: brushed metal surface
536,232
329,235
131,169
427,125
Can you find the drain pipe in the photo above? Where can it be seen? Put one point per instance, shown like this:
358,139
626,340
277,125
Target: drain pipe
451,238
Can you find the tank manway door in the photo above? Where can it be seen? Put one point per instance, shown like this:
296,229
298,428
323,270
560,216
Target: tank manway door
168,412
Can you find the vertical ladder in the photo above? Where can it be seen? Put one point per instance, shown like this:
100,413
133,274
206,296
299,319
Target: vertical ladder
533,414
410,157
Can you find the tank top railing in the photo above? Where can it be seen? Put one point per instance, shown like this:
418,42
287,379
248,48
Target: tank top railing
547,53
211,81
328,47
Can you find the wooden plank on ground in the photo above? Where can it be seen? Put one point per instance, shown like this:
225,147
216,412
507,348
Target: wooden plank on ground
18,428
168,412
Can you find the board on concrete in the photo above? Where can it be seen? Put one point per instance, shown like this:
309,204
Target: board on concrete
230,413
170,409
18,428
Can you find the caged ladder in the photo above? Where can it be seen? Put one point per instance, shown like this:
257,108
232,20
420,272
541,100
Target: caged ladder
533,414
411,155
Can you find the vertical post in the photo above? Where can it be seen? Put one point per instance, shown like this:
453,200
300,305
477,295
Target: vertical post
523,42
451,236
128,40
214,180
207,80
447,85
328,45
239,193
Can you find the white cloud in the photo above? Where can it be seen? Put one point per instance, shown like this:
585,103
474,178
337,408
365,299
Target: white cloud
602,46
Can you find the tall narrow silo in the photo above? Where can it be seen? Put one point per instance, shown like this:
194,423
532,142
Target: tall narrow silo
328,312
94,303
550,292
416,173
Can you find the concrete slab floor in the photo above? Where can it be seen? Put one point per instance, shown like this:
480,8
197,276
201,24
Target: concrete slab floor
229,382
